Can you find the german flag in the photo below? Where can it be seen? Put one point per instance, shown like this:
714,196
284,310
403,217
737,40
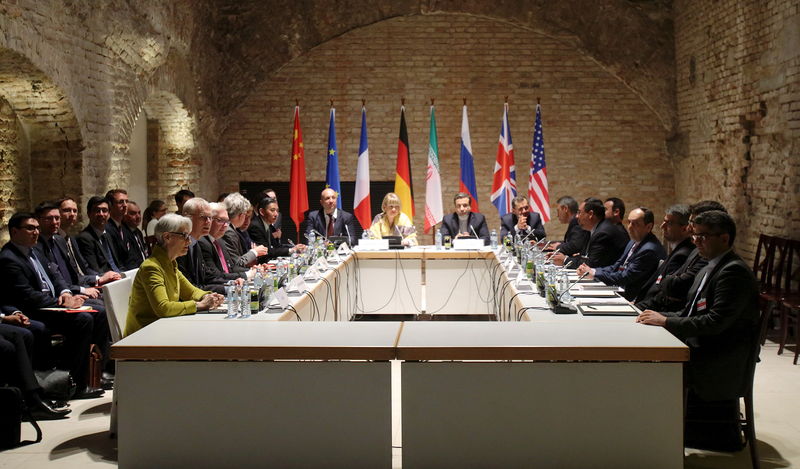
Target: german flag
402,179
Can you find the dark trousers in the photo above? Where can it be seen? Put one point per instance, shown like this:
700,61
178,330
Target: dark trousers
16,357
79,331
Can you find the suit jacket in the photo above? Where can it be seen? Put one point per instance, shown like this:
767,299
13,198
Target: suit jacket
258,231
509,221
575,239
720,326
139,251
128,256
678,284
604,247
20,284
92,250
235,250
160,290
262,235
193,267
212,261
650,296
71,277
476,220
315,220
633,271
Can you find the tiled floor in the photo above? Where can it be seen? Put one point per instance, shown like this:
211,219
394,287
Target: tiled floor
82,440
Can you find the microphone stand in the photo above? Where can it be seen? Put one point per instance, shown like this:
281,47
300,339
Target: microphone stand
558,309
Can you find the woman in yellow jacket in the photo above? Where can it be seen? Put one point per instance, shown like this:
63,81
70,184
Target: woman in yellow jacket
393,222
160,290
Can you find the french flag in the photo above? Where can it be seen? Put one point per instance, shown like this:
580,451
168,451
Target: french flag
361,204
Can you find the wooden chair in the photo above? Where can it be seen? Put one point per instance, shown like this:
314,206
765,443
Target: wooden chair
790,299
768,267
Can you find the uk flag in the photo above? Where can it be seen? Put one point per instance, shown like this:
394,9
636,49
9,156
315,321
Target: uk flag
504,185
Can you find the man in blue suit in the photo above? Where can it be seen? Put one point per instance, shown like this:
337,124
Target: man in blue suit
329,220
639,259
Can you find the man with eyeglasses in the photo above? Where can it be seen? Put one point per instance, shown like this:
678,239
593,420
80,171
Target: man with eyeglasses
720,317
674,287
213,249
192,264
29,282
639,260
521,221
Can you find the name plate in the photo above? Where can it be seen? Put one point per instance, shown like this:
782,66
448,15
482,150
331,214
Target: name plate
464,244
373,244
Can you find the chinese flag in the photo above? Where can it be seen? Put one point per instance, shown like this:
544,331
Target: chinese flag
298,190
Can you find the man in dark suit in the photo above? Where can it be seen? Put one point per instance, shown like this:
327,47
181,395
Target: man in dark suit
639,260
605,243
27,281
330,220
213,250
16,362
192,264
615,213
181,197
262,230
719,321
132,220
521,221
464,222
118,233
95,247
678,235
575,238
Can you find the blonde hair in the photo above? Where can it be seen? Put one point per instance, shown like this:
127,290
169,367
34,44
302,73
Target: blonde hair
390,199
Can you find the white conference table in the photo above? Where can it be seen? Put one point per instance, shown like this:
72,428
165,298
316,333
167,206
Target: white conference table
287,388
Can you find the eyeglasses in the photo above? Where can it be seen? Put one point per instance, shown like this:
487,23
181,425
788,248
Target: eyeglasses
204,217
30,227
704,236
222,221
183,235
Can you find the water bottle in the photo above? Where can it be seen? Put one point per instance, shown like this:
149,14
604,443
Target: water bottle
244,301
365,234
312,237
493,239
232,300
438,240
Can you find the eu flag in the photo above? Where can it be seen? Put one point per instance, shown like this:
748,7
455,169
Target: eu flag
332,170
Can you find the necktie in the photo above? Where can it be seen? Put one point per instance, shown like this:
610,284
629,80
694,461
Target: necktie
221,256
628,257
330,225
66,272
693,304
47,285
140,245
72,257
108,254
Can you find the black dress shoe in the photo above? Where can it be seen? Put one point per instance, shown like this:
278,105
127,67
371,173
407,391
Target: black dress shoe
42,410
88,393
107,384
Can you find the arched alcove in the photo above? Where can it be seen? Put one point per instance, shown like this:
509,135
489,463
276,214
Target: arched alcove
172,160
42,144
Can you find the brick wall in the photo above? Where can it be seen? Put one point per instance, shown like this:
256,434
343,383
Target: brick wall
600,138
14,173
738,76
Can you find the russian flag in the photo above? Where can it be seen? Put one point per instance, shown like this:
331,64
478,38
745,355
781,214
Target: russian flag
467,183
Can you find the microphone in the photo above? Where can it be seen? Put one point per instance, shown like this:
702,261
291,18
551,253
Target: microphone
349,237
550,256
320,235
473,232
558,309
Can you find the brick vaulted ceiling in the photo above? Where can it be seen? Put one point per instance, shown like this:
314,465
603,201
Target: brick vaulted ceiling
246,41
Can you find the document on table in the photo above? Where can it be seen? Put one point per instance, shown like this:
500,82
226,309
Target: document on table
593,293
607,310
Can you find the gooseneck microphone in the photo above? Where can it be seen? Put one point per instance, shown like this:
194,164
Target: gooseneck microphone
558,309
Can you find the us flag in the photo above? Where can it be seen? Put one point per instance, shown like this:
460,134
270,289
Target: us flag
538,195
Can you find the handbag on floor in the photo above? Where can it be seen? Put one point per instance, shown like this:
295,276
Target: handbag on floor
56,384
12,409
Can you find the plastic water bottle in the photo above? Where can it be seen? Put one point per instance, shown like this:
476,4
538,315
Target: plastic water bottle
232,299
438,239
493,239
312,237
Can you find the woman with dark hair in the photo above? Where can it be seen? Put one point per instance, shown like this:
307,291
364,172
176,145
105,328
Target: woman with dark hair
151,215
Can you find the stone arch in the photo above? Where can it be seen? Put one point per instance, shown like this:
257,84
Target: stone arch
172,159
50,165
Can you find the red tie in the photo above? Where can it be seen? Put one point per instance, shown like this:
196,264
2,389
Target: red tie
221,256
330,225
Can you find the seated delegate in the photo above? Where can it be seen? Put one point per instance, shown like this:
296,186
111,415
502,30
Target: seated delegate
392,222
160,290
